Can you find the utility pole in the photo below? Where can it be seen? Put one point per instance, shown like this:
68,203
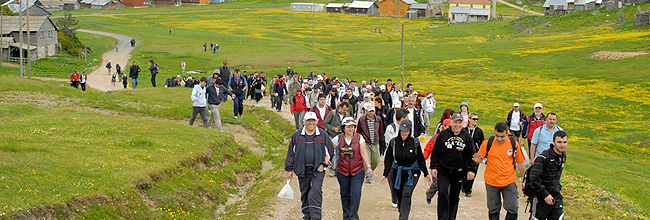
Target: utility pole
20,36
29,43
2,12
402,58
313,25
399,13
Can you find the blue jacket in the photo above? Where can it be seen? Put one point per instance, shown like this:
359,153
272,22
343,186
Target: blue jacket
198,93
322,148
280,88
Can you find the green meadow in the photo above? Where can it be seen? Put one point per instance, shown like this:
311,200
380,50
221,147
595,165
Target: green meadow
602,104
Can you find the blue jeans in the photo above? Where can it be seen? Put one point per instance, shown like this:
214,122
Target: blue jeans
334,160
238,107
134,82
350,193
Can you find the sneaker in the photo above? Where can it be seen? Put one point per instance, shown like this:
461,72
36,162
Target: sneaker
235,117
428,201
468,194
330,173
394,205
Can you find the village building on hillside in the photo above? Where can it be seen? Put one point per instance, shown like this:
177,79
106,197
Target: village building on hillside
35,8
298,6
407,8
145,3
363,8
71,5
196,2
50,5
461,11
335,8
44,38
102,4
555,7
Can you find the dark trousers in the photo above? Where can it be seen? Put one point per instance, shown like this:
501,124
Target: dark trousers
204,115
467,185
350,193
238,107
404,194
449,185
391,183
433,189
272,101
153,80
311,194
278,103
124,82
83,86
540,210
75,84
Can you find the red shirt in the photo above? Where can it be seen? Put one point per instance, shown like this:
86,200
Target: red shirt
299,104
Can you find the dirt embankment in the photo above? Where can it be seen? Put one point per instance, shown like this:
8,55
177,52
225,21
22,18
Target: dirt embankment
617,55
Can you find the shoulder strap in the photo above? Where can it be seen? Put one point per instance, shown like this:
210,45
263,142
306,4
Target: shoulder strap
489,145
392,142
514,151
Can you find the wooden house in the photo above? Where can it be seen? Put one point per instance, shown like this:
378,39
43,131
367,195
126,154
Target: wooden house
44,37
419,10
196,2
299,6
102,4
71,5
555,7
50,5
34,8
363,8
395,8
143,3
334,8
461,11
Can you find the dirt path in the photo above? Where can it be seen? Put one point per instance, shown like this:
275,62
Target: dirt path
520,8
375,198
99,78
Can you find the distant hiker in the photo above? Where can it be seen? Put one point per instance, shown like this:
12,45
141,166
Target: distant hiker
154,70
428,108
132,42
375,29
535,120
108,67
216,92
183,67
134,72
225,73
199,102
279,91
82,81
308,155
211,46
170,30
257,89
545,177
515,120
205,47
392,131
464,108
237,85
543,136
125,80
298,109
451,161
405,162
217,48
379,30
113,79
74,79
477,138
500,177
117,49
119,71
353,163
371,127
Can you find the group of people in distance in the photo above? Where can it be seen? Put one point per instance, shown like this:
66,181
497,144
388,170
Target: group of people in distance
343,129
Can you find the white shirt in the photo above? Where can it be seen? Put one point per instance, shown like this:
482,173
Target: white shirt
514,121
335,140
321,111
307,101
411,117
429,105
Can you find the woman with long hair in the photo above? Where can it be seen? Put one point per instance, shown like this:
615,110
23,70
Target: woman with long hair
445,115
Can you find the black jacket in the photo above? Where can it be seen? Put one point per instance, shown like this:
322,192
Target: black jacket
225,75
213,98
321,146
417,120
546,172
477,137
522,118
134,71
406,153
452,154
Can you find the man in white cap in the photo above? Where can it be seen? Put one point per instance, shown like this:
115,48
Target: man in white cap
367,98
307,157
515,120
533,121
370,127
428,108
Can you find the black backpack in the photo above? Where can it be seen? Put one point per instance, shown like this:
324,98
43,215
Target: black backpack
514,149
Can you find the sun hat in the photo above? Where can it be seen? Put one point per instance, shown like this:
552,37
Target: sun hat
516,104
369,106
367,95
348,121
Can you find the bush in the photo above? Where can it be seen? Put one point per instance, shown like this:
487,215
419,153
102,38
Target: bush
71,44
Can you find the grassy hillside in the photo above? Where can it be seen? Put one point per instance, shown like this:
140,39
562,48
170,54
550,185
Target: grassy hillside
490,65
69,154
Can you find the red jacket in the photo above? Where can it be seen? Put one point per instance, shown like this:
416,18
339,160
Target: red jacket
362,128
532,124
346,165
298,104
74,77
321,120
429,148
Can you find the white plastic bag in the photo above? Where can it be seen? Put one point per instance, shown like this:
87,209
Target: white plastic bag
286,192
526,157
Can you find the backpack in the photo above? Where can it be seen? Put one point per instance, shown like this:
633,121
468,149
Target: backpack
157,69
526,185
514,149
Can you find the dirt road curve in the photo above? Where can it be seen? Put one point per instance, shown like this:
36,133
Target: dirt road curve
520,8
99,78
375,198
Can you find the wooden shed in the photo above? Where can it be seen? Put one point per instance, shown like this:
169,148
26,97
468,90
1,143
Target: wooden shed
334,8
390,7
44,37
140,3
300,6
363,8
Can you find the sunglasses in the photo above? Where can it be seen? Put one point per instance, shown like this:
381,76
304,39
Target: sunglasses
475,119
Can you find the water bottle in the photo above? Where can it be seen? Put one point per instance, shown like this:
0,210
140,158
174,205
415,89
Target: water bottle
371,178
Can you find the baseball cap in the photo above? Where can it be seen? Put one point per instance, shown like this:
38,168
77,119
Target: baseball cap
516,104
429,94
406,125
368,87
348,121
310,115
538,105
456,116
382,87
369,106
299,89
446,122
367,95
320,77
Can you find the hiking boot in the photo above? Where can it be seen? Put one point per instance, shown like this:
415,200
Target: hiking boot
330,173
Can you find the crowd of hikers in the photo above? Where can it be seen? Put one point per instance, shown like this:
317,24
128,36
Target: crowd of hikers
344,128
